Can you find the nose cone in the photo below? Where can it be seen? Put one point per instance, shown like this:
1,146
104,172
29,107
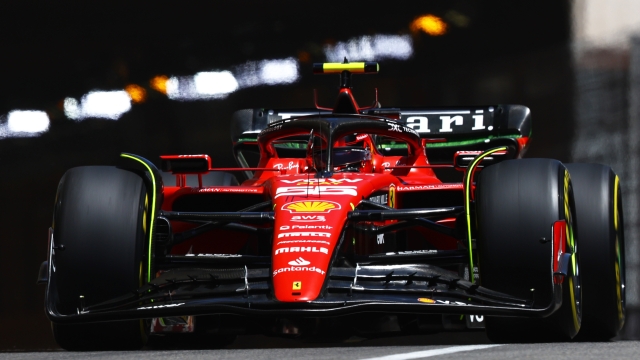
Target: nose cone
299,280
305,235
309,217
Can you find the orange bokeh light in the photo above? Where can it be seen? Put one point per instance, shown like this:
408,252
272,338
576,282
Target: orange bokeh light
137,93
159,83
430,24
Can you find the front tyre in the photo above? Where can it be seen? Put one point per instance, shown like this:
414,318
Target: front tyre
601,229
517,203
100,219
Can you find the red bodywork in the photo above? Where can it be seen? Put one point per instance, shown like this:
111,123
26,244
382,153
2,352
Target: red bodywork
310,212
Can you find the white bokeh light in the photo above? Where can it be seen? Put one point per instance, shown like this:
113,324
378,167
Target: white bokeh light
72,109
24,123
98,104
215,83
268,72
371,48
279,71
27,121
202,86
105,104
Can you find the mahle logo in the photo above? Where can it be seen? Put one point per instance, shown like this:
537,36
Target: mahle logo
311,206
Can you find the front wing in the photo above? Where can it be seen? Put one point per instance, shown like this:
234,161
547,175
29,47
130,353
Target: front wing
417,289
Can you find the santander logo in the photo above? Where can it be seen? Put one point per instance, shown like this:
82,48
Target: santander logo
299,262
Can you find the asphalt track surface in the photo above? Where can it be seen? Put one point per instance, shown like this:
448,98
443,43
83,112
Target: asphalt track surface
445,346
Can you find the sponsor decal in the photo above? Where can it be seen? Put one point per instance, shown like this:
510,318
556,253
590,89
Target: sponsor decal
271,128
299,262
295,249
230,189
391,199
380,239
284,116
426,300
297,285
411,252
308,218
429,187
448,123
379,199
303,242
361,137
447,302
160,306
294,234
311,206
201,156
320,181
305,227
291,166
216,255
394,127
469,152
475,321
294,268
316,190
400,128
410,130
386,164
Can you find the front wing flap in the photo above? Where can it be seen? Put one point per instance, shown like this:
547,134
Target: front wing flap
419,289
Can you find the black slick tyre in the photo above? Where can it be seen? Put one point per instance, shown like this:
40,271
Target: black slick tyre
601,230
100,220
517,204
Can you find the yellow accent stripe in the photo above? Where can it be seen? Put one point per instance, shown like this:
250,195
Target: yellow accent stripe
615,203
467,202
618,261
569,229
354,67
618,290
569,237
153,210
574,312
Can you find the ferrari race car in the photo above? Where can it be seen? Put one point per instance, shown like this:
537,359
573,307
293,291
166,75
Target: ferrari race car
348,221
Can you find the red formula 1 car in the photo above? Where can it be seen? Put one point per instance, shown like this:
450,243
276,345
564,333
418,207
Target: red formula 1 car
352,220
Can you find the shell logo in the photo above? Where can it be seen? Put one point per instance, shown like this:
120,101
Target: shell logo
311,206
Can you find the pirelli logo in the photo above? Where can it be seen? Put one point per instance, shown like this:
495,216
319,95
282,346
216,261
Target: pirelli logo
305,234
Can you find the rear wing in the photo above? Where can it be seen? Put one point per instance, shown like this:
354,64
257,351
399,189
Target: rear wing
447,127
446,130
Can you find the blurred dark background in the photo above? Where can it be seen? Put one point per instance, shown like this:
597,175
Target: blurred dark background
490,52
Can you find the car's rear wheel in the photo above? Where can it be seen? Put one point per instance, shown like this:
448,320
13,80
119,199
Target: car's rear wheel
601,230
100,222
517,203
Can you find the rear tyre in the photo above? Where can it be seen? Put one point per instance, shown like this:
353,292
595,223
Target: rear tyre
100,219
517,203
601,229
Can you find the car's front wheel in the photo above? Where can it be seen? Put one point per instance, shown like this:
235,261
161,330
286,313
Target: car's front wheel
517,204
99,227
